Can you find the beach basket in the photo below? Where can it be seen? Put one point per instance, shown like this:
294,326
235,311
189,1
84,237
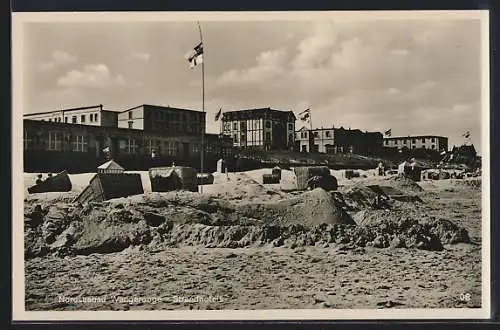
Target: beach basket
173,178
303,174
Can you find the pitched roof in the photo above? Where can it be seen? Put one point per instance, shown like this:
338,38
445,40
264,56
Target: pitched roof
111,165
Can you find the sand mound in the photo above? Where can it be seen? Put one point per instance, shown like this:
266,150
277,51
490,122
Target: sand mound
404,184
308,209
473,183
361,195
180,218
411,232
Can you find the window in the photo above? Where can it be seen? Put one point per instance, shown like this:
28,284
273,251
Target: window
28,140
170,147
65,119
315,134
268,124
50,119
130,115
73,119
91,117
235,137
413,147
80,143
54,141
433,147
153,147
130,124
268,136
195,148
290,127
327,133
96,117
235,126
423,140
290,138
304,148
59,119
82,118
432,140
129,146
413,141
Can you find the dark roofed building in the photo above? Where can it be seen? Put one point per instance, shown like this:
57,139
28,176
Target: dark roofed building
338,140
56,146
92,115
160,119
263,128
430,142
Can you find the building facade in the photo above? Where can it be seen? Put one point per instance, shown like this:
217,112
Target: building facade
165,120
338,140
58,146
92,115
431,142
316,140
263,128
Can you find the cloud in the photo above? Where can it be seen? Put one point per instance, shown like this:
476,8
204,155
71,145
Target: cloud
316,48
58,58
416,77
92,76
269,65
140,56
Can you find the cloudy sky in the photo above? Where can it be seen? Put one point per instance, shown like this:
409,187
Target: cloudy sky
417,76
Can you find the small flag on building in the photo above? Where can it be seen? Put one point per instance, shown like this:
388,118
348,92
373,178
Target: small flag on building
218,114
305,115
466,135
388,132
195,55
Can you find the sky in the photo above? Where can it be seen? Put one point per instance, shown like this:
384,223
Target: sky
413,76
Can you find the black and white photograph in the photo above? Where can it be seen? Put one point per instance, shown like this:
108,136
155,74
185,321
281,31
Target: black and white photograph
251,165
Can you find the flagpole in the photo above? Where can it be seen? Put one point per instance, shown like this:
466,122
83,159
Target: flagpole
310,119
203,104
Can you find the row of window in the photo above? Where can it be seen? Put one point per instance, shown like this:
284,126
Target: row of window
254,125
55,141
131,146
413,141
328,148
93,117
174,127
168,116
303,135
158,147
243,138
424,147
172,116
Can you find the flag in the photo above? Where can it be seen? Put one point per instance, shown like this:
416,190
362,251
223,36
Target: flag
305,115
443,152
218,114
466,135
388,132
195,55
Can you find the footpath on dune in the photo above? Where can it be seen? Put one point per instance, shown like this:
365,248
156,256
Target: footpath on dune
250,215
